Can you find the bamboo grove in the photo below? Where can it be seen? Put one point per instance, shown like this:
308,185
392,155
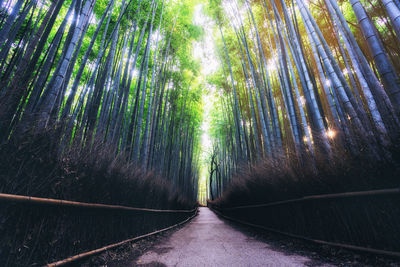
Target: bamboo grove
117,71
303,80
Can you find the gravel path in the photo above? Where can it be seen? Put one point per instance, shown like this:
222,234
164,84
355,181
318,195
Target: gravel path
210,241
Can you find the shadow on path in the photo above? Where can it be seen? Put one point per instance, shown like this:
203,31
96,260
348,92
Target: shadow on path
212,241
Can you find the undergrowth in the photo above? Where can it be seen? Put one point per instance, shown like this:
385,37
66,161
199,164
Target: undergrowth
368,221
33,165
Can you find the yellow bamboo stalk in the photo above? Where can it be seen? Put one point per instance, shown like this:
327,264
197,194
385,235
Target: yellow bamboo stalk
67,203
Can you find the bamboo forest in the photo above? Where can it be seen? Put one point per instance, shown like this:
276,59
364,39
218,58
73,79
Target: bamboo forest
124,119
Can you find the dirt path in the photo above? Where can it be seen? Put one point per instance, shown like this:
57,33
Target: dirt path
210,241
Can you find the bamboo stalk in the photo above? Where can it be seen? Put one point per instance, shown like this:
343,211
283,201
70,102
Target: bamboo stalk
96,251
327,196
67,203
317,241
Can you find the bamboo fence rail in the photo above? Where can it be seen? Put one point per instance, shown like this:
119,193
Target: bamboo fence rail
380,192
390,191
67,203
99,250
321,242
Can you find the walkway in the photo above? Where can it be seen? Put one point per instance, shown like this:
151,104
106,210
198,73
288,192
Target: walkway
210,241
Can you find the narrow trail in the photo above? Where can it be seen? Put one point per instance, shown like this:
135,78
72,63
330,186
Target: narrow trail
210,241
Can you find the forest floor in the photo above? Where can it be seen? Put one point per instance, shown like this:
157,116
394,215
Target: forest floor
210,241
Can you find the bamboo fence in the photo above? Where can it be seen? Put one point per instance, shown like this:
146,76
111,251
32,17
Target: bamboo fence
67,203
379,192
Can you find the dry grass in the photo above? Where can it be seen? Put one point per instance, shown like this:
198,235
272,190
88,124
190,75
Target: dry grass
32,165
369,221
